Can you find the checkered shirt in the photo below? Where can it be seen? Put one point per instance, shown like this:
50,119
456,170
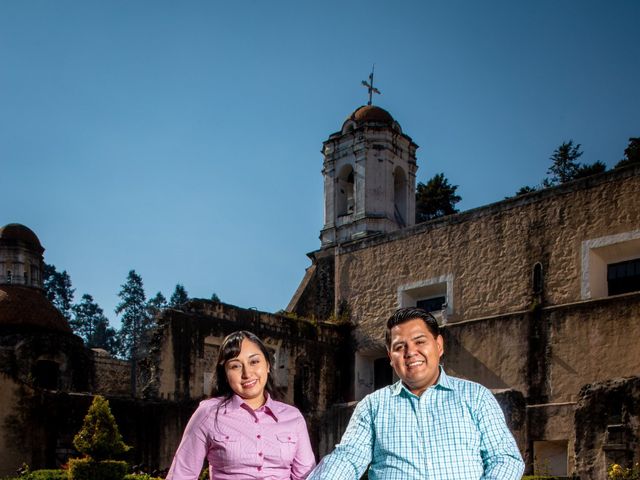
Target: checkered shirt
454,431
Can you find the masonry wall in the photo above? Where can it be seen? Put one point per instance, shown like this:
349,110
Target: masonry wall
490,252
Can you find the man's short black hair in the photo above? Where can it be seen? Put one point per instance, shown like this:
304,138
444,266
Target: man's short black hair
403,315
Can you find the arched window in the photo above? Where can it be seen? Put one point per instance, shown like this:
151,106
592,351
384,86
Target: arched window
345,200
400,196
537,279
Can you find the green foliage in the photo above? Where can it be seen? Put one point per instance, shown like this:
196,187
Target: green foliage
215,297
618,472
135,319
588,170
57,288
49,475
100,438
89,469
436,198
543,477
631,153
564,162
179,297
204,474
90,324
156,304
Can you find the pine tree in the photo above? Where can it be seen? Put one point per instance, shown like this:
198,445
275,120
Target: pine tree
436,198
631,153
133,335
90,324
156,304
564,163
179,297
99,437
57,288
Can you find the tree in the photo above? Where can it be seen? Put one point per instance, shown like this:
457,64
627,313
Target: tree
586,170
156,304
564,164
436,198
215,297
179,296
631,153
99,437
526,189
57,288
90,324
135,321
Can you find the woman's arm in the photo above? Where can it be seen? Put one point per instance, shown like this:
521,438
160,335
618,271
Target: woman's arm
188,460
304,460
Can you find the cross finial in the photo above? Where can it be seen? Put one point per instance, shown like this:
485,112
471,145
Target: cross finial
370,86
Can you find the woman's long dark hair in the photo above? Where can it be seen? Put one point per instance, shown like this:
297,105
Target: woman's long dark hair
230,348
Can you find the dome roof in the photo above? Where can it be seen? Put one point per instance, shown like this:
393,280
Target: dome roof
371,113
15,233
28,307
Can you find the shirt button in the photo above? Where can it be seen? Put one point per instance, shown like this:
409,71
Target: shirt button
258,436
259,454
259,469
256,420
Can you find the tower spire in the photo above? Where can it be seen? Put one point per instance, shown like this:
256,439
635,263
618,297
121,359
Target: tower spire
370,86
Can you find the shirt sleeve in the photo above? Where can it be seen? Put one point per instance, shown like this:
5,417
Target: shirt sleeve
188,460
500,454
304,460
353,454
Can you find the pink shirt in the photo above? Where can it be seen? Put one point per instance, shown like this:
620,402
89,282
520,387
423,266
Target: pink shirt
271,442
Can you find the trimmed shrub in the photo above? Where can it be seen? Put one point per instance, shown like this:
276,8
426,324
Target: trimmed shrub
99,437
49,475
89,469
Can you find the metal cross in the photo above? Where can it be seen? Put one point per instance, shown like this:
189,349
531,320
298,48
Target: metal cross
370,86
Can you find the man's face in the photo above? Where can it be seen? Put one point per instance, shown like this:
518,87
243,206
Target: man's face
415,355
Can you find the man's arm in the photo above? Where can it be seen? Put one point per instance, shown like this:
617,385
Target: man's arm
352,455
500,454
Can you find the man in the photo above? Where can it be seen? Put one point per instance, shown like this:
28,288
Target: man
427,425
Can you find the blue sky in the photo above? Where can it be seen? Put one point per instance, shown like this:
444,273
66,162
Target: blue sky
182,139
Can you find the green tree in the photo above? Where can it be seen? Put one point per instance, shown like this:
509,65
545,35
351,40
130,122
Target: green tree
156,304
179,297
215,297
586,170
631,153
57,288
135,321
526,189
90,324
564,163
99,437
436,198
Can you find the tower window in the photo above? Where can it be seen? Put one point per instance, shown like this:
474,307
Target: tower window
345,191
45,374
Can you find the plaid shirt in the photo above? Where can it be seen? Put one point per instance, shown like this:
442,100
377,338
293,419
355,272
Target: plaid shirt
455,430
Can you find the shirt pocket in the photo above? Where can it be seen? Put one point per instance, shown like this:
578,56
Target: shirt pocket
227,448
288,443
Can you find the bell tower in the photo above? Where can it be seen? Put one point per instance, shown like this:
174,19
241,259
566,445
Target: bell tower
369,175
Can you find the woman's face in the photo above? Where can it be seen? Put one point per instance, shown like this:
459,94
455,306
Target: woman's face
247,373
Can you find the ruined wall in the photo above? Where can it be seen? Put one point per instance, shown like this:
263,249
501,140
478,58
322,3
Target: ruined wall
607,426
13,450
489,253
112,376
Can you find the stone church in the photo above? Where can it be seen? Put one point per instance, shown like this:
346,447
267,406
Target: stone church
539,296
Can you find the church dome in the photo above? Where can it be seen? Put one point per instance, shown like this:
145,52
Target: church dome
17,234
25,307
371,113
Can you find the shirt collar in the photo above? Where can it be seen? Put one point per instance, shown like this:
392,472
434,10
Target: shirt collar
269,406
443,382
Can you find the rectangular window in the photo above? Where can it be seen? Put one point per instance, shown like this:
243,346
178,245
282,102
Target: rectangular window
623,277
432,304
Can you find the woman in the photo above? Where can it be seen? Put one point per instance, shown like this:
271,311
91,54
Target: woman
243,432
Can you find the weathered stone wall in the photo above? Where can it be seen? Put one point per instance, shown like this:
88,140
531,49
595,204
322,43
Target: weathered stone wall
112,376
490,252
607,426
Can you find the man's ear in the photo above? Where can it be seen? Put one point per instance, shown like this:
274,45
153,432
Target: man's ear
440,342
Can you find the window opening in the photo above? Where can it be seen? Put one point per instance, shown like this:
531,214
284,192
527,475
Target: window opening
623,277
